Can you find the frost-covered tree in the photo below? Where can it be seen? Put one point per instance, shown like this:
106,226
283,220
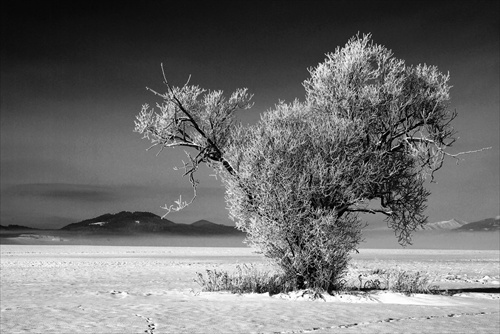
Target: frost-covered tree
369,133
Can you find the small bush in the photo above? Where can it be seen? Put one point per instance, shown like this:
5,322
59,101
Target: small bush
398,281
246,279
410,283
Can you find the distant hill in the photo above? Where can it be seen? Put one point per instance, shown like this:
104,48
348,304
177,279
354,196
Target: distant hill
121,222
145,222
490,224
208,227
15,228
203,223
445,225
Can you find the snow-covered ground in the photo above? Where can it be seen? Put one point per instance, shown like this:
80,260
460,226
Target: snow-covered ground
115,289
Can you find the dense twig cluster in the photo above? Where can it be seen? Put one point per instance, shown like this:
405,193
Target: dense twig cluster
192,117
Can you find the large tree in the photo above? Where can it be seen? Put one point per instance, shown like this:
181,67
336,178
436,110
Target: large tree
369,132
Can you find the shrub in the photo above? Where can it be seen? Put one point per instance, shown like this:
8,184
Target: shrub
410,283
398,281
246,279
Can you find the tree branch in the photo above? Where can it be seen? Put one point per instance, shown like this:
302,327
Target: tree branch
370,210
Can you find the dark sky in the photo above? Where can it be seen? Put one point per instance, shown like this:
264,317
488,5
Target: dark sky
73,77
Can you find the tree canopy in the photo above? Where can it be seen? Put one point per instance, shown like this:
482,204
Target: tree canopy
370,131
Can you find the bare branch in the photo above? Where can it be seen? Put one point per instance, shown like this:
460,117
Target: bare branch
370,210
467,152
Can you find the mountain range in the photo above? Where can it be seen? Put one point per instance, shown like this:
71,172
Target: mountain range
137,223
15,228
126,222
146,222
444,225
489,224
